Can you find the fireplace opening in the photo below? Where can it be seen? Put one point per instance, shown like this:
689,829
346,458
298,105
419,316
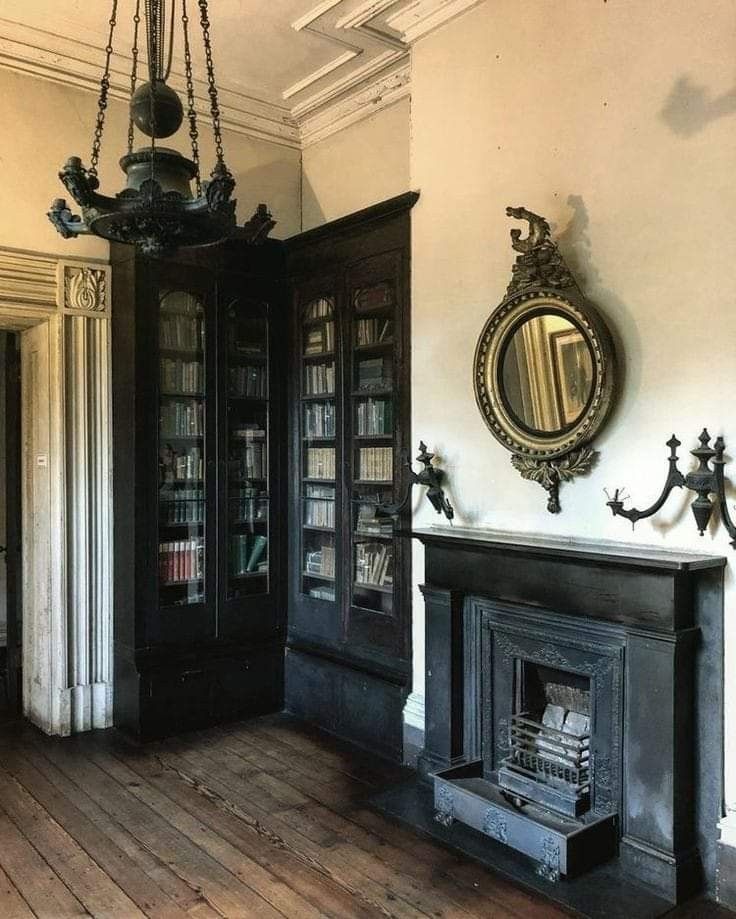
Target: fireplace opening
549,739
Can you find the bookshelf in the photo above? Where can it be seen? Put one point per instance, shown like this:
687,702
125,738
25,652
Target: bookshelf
373,449
198,408
350,575
182,546
247,413
318,426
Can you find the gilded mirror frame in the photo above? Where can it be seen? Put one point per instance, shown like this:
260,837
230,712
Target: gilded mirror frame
542,284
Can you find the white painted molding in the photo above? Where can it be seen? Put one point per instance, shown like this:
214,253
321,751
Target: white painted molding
363,13
78,64
27,279
378,95
414,711
64,306
727,826
424,16
88,517
376,71
324,71
348,99
314,14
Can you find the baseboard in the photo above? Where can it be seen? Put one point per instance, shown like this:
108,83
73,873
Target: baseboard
726,875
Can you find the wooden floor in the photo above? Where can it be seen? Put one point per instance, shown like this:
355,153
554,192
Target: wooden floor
262,819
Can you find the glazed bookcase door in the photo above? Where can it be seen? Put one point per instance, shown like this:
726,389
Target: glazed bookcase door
186,482
376,438
250,477
317,419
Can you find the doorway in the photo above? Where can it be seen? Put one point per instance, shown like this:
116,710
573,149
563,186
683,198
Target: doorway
11,656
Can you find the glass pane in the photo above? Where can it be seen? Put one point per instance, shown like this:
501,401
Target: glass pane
318,433
373,452
248,516
181,548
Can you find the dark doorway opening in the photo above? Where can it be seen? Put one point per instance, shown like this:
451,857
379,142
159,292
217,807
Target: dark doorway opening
11,648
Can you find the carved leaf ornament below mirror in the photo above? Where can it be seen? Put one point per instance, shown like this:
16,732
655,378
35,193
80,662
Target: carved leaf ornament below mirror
544,369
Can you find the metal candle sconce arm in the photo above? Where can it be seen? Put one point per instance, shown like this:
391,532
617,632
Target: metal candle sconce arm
704,480
431,477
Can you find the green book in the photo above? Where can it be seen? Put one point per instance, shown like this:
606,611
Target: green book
256,553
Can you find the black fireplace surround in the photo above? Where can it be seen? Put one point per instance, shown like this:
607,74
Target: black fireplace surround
637,635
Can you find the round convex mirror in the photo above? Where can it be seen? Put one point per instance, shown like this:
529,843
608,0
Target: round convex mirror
546,374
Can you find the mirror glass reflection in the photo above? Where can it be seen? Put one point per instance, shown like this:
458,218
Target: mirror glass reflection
547,373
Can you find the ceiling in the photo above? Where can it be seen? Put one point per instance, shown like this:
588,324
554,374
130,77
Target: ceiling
291,70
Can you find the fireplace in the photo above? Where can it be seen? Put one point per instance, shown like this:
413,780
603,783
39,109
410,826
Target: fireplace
573,710
551,709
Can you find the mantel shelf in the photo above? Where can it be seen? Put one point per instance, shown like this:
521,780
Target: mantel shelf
606,553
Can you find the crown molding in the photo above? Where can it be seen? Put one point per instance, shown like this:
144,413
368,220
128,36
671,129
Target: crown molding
361,92
375,69
321,72
424,16
387,89
74,63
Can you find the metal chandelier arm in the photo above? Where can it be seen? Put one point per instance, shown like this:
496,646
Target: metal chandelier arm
675,479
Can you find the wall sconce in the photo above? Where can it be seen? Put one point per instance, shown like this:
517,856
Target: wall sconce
704,480
431,477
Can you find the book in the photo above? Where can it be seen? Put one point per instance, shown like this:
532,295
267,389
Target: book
319,309
376,464
374,373
320,462
258,548
375,417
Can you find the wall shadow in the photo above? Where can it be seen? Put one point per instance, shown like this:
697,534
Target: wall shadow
690,107
575,246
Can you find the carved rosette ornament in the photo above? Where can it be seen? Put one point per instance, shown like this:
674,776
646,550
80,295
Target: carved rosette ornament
544,367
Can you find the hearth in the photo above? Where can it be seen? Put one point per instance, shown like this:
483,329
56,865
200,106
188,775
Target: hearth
572,704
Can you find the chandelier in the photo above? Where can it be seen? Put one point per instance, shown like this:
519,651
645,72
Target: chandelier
157,210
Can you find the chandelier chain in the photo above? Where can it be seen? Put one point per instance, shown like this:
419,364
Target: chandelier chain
104,91
191,111
134,70
212,86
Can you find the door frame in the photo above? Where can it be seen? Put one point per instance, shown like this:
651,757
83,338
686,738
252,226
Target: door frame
66,494
42,517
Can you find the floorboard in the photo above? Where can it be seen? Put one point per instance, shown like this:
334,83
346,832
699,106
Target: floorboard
258,819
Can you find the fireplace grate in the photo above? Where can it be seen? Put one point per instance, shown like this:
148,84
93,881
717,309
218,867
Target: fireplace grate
547,765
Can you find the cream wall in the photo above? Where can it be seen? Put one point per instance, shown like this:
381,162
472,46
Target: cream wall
46,122
363,164
618,123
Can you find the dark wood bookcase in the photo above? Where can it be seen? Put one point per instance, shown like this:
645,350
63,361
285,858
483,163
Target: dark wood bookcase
349,636
261,412
199,407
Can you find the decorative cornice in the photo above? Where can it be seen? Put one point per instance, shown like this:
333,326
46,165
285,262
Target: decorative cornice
379,94
424,16
361,88
77,64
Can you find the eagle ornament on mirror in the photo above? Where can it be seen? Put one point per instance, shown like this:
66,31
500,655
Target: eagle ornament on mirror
544,369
